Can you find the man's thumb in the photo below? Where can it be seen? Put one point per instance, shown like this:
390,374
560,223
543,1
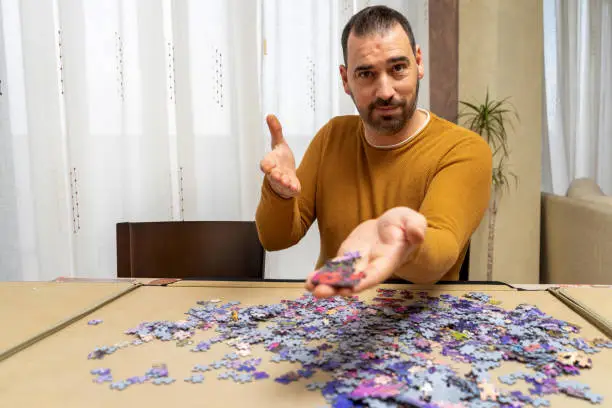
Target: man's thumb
276,130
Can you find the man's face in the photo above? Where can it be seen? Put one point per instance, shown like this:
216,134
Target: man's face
382,77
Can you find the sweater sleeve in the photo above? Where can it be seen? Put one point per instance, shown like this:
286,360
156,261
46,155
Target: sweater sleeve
282,222
454,205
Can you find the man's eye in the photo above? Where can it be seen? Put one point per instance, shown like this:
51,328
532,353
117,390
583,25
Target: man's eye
399,68
364,74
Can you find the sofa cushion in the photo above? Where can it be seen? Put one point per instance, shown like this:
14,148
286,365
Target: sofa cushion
586,189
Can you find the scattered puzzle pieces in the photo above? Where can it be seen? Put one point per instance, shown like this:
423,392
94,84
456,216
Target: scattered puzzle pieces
381,353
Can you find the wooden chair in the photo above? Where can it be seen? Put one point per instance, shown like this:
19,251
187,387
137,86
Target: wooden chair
464,272
189,249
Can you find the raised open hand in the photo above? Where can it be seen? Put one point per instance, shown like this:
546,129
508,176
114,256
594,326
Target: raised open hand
279,164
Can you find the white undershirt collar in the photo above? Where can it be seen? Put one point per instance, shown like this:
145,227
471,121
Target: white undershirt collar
403,142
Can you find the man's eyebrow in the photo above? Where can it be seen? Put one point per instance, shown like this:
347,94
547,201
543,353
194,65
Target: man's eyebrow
398,59
389,61
364,68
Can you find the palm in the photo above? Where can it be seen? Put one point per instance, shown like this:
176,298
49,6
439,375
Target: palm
283,157
393,249
390,244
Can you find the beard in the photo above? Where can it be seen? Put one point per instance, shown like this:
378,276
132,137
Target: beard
390,123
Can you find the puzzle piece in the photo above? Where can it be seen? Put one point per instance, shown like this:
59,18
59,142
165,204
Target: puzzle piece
339,272
163,380
487,392
120,385
196,378
574,359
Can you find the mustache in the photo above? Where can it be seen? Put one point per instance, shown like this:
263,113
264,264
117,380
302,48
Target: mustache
386,103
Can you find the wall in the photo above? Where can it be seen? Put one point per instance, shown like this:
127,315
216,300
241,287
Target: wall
500,47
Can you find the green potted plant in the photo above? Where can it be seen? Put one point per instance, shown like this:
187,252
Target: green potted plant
490,120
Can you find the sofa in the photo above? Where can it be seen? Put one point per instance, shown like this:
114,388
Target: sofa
576,235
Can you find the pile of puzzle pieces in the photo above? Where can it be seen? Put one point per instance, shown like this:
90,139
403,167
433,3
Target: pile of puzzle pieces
383,353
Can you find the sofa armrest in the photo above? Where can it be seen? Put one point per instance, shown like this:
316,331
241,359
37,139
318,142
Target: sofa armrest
576,241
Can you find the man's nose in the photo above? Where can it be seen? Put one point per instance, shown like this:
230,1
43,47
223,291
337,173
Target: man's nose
385,88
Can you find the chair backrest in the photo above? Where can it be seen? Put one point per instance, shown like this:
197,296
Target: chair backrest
464,272
189,249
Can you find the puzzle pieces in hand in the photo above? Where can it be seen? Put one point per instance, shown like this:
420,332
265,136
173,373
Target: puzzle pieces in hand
339,272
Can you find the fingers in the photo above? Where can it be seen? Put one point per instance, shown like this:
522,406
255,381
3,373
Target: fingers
270,167
287,181
276,130
383,261
308,284
376,272
284,184
324,291
346,292
319,291
402,223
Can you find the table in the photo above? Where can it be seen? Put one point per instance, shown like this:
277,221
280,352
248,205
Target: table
53,304
54,371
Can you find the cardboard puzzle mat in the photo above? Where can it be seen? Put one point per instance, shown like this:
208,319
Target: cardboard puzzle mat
394,348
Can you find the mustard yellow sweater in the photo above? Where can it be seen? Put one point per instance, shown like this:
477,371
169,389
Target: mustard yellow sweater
444,172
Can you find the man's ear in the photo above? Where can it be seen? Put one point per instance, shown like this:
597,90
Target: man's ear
344,76
419,61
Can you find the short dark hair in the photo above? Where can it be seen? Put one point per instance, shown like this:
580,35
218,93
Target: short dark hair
375,19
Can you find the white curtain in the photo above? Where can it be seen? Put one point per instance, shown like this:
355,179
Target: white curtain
578,84
153,110
127,110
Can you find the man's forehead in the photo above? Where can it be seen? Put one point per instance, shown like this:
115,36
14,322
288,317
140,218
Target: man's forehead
390,43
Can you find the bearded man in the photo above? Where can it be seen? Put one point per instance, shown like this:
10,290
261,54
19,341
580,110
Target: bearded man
400,185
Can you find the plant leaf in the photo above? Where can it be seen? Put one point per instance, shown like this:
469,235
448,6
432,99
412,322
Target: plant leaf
491,120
